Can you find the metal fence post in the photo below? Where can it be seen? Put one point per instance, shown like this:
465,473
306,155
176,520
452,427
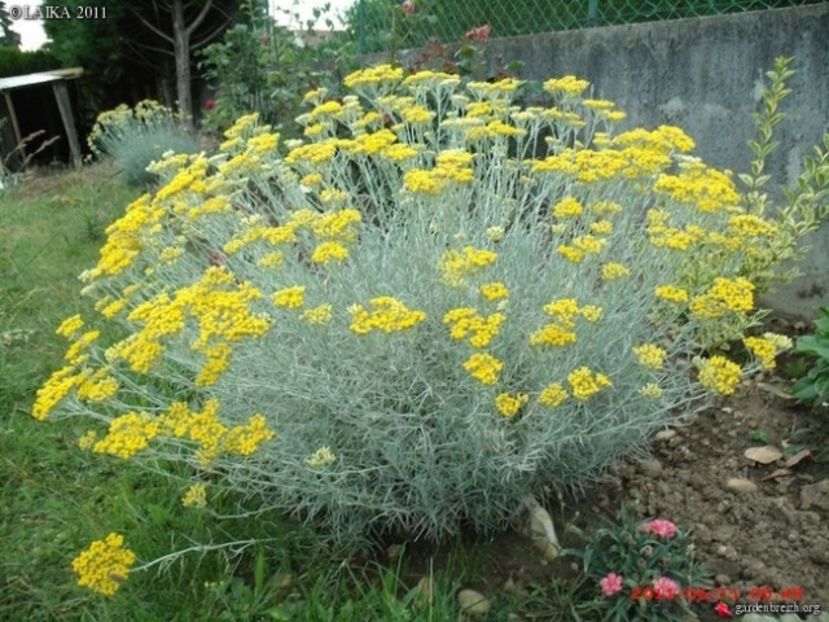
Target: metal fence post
592,12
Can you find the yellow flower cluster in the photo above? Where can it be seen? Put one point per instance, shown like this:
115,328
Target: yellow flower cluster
57,387
290,297
220,307
650,355
664,138
552,335
456,266
671,293
569,85
706,188
494,291
553,395
590,166
195,496
501,88
580,247
321,458
565,310
328,252
321,314
75,354
426,78
767,347
508,404
723,296
104,564
612,270
70,326
124,242
568,207
127,435
585,383
750,226
466,322
719,374
373,76
561,333
651,390
211,435
339,225
452,166
96,386
388,315
218,359
484,367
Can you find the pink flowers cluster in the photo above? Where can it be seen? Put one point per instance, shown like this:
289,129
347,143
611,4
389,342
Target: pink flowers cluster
662,528
479,34
664,588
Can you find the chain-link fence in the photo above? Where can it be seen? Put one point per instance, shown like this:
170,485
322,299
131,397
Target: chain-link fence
385,24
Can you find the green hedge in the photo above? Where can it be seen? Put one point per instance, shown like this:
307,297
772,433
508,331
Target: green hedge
13,62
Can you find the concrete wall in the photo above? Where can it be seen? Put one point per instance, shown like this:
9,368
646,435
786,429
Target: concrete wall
706,75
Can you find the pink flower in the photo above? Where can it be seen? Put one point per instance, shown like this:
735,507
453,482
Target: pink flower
723,611
481,33
665,589
611,584
409,7
662,528
210,104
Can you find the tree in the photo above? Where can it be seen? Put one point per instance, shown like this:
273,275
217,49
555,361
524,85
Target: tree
133,53
182,25
8,37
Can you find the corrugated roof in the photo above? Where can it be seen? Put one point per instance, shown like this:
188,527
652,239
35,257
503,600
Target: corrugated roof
43,77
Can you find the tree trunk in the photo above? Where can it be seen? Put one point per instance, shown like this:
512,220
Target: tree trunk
165,84
181,48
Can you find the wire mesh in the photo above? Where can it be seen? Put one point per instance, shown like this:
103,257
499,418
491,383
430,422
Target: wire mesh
380,25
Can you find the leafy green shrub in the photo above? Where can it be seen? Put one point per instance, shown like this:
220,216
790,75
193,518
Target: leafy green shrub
136,137
265,68
14,62
814,386
643,570
411,320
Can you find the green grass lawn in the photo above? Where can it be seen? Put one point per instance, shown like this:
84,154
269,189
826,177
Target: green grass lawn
55,499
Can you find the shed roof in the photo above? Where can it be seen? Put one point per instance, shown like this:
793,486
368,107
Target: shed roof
43,77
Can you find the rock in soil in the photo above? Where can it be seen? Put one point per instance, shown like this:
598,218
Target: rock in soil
740,484
473,603
815,495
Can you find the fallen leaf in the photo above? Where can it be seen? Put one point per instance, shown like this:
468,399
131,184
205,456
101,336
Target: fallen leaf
777,473
764,455
799,457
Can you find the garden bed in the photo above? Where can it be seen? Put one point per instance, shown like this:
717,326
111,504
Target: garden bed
752,525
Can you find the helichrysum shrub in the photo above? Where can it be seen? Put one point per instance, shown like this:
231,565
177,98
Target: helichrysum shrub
136,137
435,305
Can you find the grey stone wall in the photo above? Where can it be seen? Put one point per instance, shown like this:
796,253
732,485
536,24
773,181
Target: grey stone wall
706,75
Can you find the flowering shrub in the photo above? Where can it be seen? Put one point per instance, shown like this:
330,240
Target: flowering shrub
437,304
134,137
643,571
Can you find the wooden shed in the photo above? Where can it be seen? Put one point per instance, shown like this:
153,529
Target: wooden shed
17,97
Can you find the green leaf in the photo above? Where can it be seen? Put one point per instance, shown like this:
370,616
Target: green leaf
259,570
813,345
